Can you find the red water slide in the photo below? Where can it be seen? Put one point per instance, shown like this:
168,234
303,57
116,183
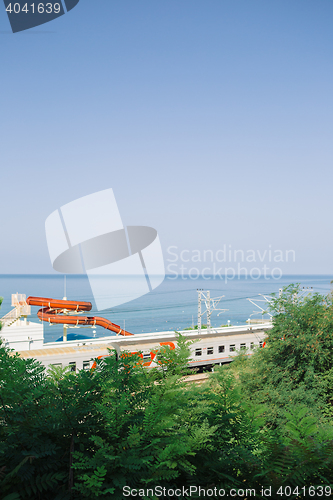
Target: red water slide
56,311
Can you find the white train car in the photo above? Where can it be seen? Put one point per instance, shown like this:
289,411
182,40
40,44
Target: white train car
209,348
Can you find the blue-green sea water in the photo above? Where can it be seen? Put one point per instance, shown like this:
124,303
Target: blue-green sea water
171,306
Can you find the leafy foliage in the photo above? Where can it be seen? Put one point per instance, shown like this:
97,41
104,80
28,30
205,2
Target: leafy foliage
264,420
296,365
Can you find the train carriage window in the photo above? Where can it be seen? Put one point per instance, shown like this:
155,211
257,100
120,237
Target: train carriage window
221,348
260,344
86,365
146,356
210,350
198,352
252,345
243,347
56,364
72,366
232,347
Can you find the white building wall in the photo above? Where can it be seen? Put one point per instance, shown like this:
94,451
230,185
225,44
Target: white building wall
23,335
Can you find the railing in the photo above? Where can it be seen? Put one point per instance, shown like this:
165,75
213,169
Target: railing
21,309
9,317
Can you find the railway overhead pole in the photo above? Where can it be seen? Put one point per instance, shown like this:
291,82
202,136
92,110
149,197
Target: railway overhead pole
210,304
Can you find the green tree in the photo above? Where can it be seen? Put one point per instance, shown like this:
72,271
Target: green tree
261,421
73,435
43,418
290,379
295,366
29,454
173,361
147,437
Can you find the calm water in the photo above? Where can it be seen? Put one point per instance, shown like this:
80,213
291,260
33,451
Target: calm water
171,306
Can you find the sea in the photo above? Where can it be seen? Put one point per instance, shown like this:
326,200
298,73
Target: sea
171,306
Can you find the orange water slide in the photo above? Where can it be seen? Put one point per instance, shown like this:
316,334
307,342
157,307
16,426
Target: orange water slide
56,311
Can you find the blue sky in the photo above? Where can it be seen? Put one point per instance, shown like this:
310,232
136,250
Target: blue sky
211,120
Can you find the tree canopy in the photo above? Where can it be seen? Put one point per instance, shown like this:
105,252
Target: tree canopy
264,420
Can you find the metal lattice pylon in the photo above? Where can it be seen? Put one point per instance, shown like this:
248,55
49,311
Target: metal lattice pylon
210,304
